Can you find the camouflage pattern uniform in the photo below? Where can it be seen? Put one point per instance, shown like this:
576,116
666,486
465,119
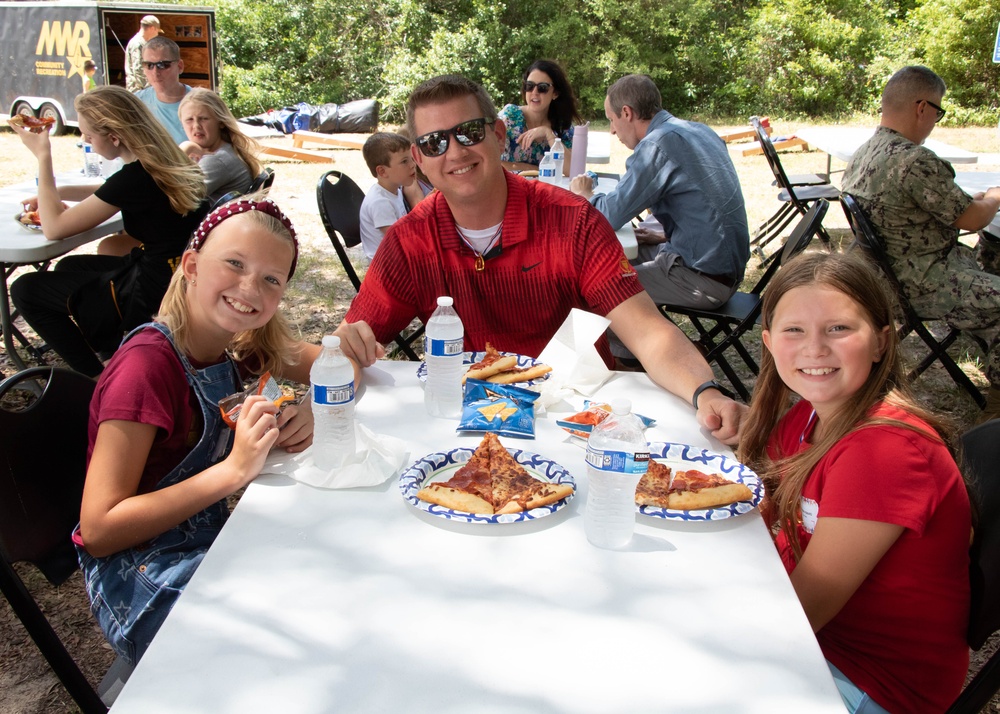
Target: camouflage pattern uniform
911,198
135,78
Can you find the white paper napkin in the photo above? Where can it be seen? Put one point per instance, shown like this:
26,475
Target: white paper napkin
576,364
377,459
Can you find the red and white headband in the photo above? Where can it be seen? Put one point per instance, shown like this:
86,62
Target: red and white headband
234,208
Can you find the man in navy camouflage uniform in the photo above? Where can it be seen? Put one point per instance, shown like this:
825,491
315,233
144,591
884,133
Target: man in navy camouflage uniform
911,198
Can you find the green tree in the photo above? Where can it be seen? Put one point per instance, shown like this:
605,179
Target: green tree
955,38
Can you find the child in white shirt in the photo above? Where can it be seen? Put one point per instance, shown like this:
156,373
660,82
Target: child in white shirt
388,158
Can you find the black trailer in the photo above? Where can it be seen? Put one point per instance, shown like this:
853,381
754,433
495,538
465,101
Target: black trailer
43,47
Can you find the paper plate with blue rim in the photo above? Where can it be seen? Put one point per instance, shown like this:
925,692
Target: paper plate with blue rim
442,465
23,220
682,457
470,358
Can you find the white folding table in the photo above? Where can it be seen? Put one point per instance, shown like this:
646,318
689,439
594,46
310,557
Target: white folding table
318,600
20,246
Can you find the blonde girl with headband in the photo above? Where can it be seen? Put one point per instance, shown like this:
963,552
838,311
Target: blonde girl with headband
89,302
872,514
162,461
227,157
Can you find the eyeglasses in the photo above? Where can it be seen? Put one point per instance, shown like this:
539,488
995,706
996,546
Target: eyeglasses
161,65
468,133
940,112
542,87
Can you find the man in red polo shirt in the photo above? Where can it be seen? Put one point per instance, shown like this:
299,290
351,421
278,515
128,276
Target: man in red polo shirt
516,256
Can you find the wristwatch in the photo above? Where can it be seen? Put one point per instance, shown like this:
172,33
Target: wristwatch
710,384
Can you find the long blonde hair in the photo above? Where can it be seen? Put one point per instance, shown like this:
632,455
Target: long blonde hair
785,478
112,109
244,146
268,346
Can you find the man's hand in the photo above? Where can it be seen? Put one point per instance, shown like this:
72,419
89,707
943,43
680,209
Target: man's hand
721,416
358,342
649,236
582,185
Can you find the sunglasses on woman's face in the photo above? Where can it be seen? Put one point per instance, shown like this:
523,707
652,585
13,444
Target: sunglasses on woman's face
542,87
468,133
161,65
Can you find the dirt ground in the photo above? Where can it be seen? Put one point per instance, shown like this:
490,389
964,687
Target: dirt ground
316,301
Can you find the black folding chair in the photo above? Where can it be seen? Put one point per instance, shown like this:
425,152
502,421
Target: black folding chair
41,487
340,200
263,181
866,237
981,454
795,199
727,324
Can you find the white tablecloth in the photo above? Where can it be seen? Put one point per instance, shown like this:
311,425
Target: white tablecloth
354,601
842,141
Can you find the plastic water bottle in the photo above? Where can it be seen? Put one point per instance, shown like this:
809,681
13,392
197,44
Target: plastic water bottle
547,169
91,161
443,348
558,156
332,378
617,457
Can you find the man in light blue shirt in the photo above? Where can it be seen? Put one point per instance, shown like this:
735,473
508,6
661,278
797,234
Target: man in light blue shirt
681,171
162,64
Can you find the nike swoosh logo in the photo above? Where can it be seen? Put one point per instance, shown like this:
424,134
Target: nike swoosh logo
526,268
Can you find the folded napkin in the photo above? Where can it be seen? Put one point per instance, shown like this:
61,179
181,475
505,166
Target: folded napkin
578,160
576,364
377,459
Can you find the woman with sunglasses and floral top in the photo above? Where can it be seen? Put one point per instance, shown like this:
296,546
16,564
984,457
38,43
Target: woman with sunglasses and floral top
549,111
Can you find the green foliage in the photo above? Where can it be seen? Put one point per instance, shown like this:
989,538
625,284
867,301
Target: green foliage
715,57
956,38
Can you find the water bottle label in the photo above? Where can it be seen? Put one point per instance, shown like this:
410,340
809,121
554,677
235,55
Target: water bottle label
444,348
333,396
622,462
547,172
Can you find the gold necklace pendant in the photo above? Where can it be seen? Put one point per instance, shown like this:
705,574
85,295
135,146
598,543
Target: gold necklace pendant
480,263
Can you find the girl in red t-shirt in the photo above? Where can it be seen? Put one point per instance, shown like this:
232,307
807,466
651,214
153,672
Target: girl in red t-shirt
871,513
162,461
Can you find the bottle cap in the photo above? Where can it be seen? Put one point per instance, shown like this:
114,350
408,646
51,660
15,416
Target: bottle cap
621,406
331,341
445,301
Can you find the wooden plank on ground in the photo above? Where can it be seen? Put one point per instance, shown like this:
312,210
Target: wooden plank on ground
342,141
784,144
297,154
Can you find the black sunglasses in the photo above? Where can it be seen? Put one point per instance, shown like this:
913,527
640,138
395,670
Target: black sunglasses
940,112
161,65
542,87
468,133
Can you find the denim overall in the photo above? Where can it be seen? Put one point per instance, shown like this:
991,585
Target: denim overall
132,591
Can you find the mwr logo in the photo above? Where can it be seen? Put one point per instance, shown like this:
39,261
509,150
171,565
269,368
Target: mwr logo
70,40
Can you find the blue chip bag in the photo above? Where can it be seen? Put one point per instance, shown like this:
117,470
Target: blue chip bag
582,423
500,408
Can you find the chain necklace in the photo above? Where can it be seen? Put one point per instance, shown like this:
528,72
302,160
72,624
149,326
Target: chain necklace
480,261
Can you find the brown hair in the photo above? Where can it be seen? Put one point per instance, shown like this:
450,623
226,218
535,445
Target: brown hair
163,43
270,345
379,148
855,277
113,109
443,88
245,147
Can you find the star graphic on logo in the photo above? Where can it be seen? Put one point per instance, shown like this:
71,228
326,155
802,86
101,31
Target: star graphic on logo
76,64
